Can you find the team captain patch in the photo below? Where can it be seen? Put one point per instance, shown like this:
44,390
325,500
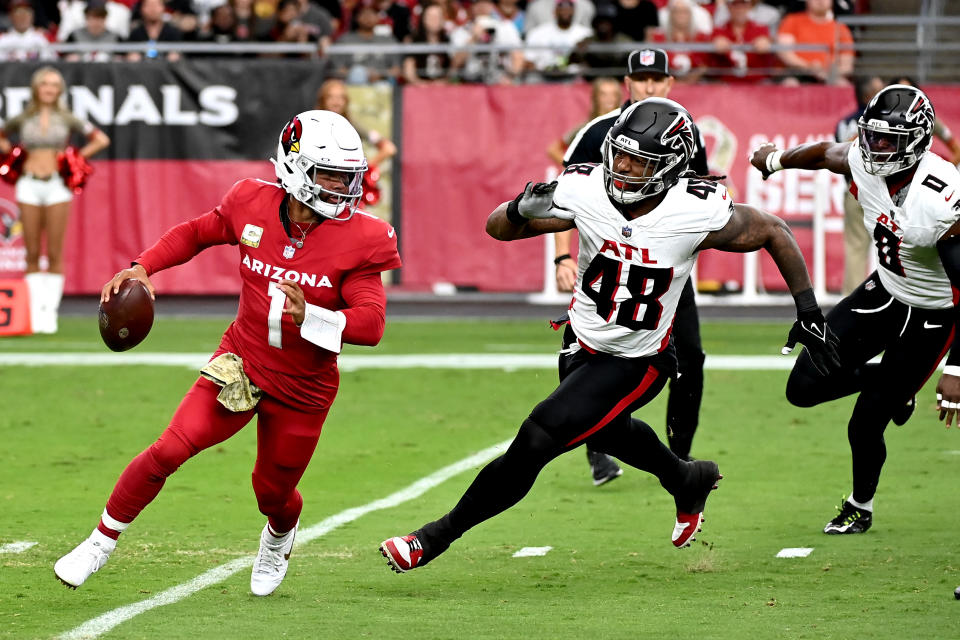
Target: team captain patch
251,235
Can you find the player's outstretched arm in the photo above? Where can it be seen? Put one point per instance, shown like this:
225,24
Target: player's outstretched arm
948,388
532,213
750,229
831,156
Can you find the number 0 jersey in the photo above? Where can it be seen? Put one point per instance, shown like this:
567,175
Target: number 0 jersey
906,235
631,272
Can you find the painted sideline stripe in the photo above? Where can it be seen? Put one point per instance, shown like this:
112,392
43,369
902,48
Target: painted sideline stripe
104,623
355,362
16,547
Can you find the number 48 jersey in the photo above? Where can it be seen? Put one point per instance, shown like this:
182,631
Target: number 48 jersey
631,272
906,234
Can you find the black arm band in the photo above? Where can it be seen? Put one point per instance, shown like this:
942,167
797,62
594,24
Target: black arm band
561,258
513,212
949,251
806,301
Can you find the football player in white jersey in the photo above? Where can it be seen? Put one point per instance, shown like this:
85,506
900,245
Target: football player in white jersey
641,224
906,309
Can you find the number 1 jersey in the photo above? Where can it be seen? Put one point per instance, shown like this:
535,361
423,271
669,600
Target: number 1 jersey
631,272
334,268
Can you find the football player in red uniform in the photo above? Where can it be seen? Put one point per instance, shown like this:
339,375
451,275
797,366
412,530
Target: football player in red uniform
300,299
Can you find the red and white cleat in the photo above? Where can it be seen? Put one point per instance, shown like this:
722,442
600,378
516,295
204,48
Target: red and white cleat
402,554
691,499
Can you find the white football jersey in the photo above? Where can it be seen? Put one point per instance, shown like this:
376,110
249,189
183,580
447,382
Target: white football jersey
906,235
631,272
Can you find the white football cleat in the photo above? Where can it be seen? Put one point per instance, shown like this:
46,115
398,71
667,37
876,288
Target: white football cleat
86,559
272,561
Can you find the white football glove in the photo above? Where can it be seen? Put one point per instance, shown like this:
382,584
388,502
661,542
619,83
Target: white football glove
536,201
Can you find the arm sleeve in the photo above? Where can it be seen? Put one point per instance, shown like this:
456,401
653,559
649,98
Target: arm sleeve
366,310
182,242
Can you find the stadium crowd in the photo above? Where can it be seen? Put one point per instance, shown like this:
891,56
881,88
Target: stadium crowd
790,41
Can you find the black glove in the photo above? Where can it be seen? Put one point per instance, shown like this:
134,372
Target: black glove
812,331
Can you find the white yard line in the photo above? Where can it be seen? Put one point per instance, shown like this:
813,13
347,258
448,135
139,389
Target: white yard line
503,361
16,547
104,623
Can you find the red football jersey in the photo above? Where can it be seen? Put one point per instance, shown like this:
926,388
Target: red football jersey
338,268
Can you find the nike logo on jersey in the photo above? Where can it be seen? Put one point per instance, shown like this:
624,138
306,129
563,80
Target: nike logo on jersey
950,196
927,325
390,233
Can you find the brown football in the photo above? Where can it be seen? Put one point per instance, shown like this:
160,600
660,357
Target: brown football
126,318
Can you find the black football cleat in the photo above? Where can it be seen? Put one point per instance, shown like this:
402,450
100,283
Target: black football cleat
603,467
691,498
850,520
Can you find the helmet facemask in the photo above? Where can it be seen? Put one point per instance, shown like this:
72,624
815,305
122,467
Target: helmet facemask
316,142
327,202
629,189
885,150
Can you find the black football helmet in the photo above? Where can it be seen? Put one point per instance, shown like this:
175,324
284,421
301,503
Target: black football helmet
657,130
896,129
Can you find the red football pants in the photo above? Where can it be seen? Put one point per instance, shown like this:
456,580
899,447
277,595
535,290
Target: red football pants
286,439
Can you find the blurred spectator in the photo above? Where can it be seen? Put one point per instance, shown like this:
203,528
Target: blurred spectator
221,28
816,26
597,63
287,26
940,130
685,66
637,19
73,17
423,68
395,19
364,68
318,23
24,41
250,27
332,96
701,20
485,27
510,10
153,28
542,12
760,13
840,7
740,30
561,35
334,8
95,32
606,95
179,13
857,243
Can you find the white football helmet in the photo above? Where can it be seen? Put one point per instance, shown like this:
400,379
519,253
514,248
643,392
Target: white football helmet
326,141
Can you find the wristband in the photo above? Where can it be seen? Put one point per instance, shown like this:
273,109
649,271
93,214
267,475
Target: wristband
323,327
773,161
951,370
513,212
806,301
561,258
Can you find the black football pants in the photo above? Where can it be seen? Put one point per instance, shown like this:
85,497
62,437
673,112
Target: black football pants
868,322
591,405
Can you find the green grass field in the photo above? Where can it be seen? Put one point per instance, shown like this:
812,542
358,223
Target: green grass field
67,432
